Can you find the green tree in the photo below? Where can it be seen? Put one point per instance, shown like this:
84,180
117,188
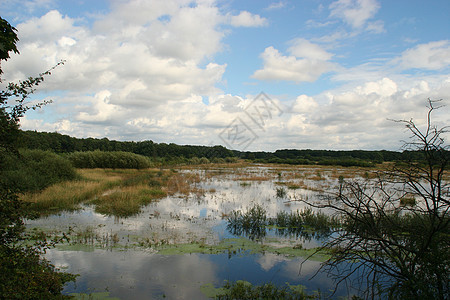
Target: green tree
395,237
8,40
24,274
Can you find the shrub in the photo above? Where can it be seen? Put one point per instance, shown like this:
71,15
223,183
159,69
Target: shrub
32,170
114,160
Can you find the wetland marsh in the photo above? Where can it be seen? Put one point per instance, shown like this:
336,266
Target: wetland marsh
149,234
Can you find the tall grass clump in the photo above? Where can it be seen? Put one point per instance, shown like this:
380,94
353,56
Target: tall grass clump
126,201
281,192
113,160
34,170
251,223
305,223
245,290
68,195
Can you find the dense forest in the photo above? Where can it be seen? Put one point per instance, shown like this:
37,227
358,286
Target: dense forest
59,143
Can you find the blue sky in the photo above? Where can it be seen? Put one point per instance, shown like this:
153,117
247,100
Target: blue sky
188,72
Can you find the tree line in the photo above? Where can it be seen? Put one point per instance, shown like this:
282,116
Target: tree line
59,143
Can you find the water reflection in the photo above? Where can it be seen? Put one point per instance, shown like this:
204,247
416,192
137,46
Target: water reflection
138,274
180,219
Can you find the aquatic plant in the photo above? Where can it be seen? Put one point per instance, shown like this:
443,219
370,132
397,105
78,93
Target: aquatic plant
302,223
252,223
245,290
281,192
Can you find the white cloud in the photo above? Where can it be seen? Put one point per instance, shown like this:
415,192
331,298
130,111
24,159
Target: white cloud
353,118
356,13
246,19
276,5
305,49
142,70
304,104
306,63
430,56
376,27
114,59
101,110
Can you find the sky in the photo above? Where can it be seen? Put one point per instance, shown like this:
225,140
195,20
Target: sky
256,75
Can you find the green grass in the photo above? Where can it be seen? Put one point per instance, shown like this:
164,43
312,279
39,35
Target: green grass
126,201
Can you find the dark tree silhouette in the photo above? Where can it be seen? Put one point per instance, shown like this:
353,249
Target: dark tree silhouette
24,274
395,237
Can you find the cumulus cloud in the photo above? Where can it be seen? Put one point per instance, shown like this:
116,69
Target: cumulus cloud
303,48
431,56
246,19
305,64
141,72
356,13
115,60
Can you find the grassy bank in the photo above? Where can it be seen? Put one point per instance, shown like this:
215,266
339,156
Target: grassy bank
113,192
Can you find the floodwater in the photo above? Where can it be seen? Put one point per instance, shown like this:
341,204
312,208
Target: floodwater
121,256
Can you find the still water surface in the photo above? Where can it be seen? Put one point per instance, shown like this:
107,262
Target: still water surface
118,257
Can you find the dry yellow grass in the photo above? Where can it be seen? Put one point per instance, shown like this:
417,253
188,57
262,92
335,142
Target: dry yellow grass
254,178
184,183
92,183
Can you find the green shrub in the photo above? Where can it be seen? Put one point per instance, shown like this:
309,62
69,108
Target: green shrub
114,160
32,170
24,275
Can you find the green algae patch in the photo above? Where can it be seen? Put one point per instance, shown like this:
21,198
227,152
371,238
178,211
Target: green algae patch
312,254
178,249
76,247
241,246
242,289
212,292
232,246
93,296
